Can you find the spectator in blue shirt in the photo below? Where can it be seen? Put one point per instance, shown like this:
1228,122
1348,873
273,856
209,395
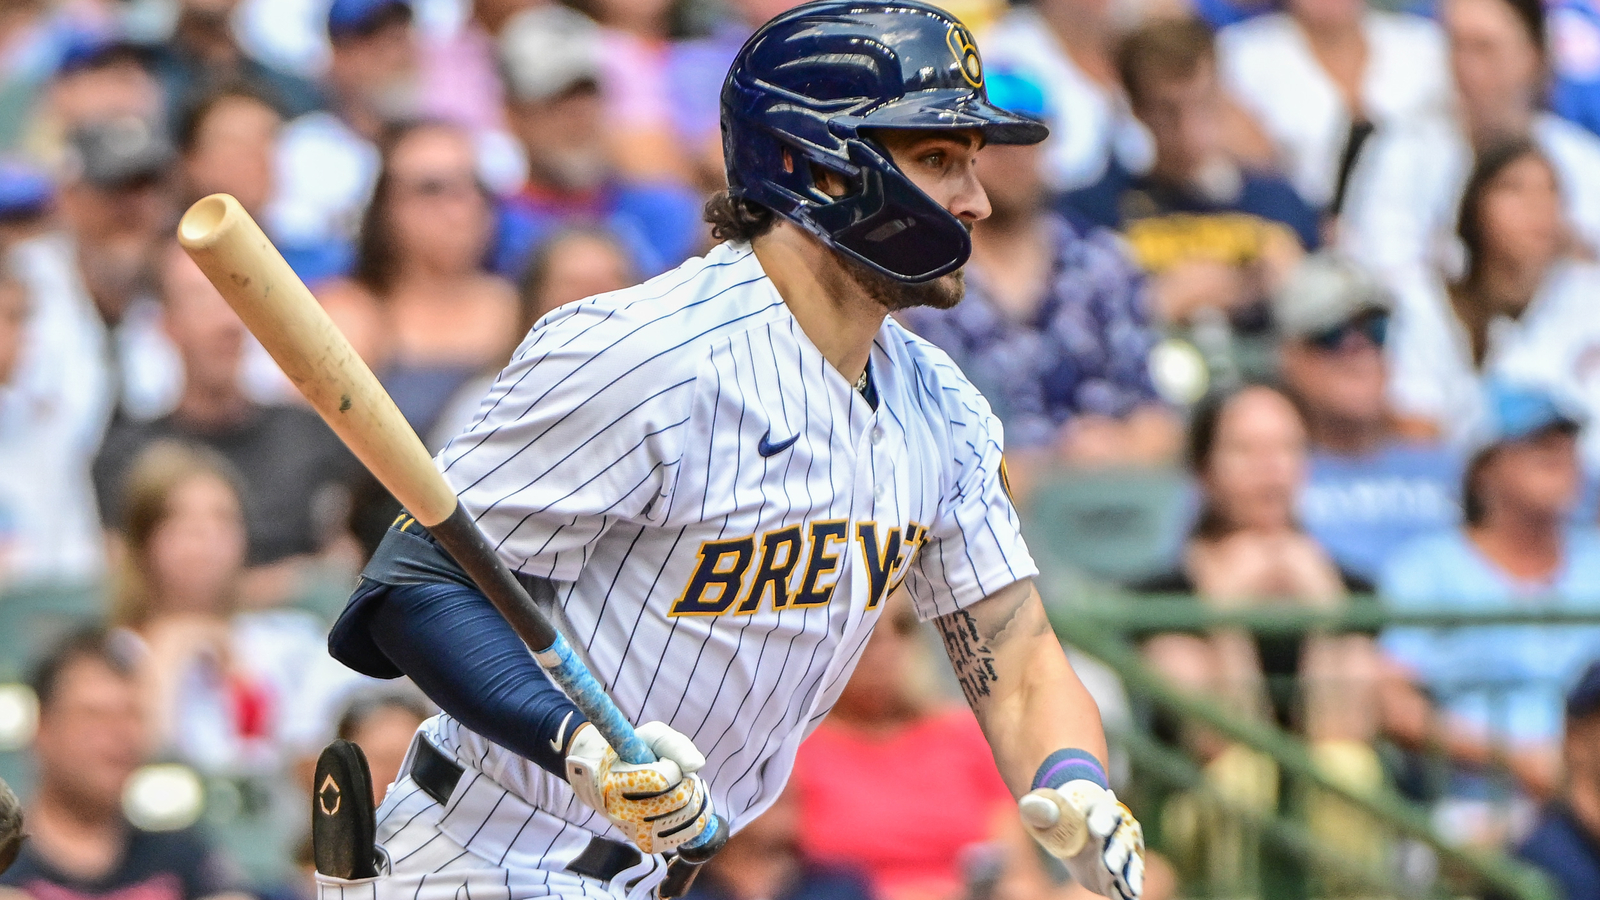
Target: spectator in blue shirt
1370,488
1500,687
1215,235
551,57
1055,327
1566,840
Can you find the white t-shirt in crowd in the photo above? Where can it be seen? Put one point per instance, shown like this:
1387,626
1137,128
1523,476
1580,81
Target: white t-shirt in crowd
1554,345
325,173
1267,63
1405,192
53,413
1089,125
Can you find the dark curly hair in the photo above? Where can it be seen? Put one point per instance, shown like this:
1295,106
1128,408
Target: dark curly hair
737,219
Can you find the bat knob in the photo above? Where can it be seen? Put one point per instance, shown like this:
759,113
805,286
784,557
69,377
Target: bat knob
1038,812
707,844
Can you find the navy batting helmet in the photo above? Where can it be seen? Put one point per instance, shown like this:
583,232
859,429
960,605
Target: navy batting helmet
806,87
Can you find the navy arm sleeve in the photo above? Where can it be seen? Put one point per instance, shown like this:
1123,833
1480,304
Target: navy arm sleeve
413,615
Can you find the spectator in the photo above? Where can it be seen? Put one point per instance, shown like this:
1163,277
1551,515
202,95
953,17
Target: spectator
91,737
1408,185
635,40
554,59
764,862
222,686
861,779
696,70
34,40
228,142
437,318
115,199
328,160
52,403
570,265
1055,325
1521,310
96,79
1247,450
1575,66
460,79
383,725
1565,842
294,468
1370,487
1322,74
203,52
1216,236
1065,45
1499,686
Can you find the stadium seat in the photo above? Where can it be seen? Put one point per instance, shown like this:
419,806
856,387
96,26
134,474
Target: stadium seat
1117,525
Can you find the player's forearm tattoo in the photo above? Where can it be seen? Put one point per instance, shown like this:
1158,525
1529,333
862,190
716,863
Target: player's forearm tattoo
973,636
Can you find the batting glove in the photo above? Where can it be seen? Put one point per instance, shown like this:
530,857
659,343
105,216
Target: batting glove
658,805
1109,860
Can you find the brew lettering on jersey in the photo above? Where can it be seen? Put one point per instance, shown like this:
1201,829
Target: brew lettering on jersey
719,582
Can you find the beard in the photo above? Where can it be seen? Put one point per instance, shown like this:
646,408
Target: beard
943,292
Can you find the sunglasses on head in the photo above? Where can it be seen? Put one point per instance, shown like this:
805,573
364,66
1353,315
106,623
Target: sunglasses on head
1373,326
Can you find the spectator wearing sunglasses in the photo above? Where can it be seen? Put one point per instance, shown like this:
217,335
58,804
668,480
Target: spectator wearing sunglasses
1521,310
1370,487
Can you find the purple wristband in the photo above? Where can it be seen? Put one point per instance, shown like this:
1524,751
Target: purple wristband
1063,766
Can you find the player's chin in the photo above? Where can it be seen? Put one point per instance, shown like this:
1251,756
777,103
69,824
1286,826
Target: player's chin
940,293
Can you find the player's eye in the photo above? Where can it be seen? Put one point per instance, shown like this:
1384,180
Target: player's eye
934,159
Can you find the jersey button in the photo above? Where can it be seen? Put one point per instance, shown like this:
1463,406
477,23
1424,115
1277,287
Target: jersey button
877,434
880,492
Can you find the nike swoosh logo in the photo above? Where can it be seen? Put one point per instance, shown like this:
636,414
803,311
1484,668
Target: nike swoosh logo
767,448
558,745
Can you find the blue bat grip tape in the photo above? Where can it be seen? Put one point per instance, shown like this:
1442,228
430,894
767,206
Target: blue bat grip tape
573,677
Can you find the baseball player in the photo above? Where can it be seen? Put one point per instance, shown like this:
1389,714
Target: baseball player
713,480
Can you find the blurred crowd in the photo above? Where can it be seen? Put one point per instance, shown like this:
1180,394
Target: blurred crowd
1337,263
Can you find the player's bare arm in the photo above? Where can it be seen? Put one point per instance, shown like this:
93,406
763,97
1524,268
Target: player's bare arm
1045,732
1019,683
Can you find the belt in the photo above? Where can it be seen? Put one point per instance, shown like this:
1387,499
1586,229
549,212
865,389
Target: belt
437,776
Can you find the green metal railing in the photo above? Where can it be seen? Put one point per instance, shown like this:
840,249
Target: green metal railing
1098,623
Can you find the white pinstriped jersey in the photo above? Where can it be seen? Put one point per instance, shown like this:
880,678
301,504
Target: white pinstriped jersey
723,513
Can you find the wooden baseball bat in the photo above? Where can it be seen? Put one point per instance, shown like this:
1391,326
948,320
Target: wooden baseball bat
233,252
1060,826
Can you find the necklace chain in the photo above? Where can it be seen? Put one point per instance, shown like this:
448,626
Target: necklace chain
861,383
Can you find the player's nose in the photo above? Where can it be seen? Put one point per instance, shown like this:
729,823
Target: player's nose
971,202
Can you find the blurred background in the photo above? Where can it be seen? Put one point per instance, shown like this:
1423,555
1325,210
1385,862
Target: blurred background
1293,324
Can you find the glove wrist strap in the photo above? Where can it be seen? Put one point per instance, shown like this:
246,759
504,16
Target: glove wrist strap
1067,765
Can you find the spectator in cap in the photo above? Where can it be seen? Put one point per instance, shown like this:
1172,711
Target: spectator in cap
553,62
1565,842
203,52
92,736
1498,687
1370,487
97,77
1408,184
1217,237
328,160
1056,325
1521,309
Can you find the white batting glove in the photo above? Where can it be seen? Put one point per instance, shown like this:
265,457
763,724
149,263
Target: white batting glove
1109,859
659,805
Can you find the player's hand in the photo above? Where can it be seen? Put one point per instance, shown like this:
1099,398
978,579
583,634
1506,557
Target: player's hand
659,805
1110,861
